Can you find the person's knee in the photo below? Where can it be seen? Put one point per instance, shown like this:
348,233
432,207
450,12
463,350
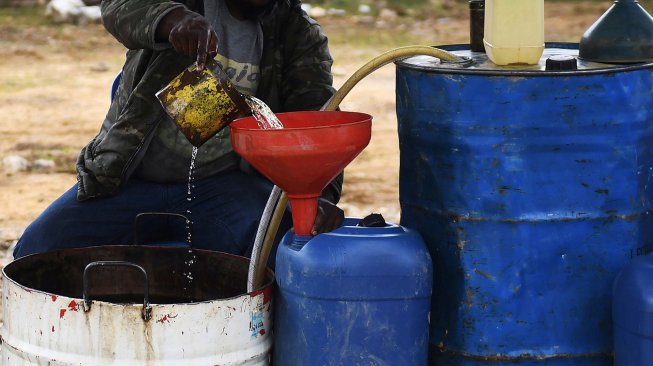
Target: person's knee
17,253
50,231
44,233
29,243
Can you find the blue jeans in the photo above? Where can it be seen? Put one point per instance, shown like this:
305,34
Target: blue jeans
225,210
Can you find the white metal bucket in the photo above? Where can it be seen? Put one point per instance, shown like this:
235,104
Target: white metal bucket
43,327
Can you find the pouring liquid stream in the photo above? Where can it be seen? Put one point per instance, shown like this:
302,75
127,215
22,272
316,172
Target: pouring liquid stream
190,256
266,120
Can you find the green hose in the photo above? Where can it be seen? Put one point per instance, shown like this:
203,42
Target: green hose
331,105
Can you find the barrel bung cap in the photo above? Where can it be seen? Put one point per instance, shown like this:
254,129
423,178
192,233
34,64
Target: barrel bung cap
561,63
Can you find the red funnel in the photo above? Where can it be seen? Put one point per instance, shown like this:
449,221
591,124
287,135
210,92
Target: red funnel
304,156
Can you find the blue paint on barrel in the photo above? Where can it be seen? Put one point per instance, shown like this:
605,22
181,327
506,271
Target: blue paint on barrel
532,189
354,296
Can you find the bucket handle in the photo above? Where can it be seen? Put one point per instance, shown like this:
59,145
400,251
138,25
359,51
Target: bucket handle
146,312
139,217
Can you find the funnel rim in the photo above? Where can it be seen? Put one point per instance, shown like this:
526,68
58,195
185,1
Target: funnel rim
367,119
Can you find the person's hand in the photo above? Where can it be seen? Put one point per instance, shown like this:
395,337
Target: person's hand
329,217
190,34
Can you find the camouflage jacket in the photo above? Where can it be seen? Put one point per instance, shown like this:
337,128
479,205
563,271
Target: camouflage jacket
295,75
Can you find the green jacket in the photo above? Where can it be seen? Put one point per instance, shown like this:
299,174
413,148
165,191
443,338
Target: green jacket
295,75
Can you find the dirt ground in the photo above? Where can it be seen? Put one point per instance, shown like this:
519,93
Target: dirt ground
54,92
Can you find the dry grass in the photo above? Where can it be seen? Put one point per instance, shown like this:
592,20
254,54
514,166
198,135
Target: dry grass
54,92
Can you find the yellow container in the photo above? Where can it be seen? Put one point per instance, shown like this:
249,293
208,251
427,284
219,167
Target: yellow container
514,31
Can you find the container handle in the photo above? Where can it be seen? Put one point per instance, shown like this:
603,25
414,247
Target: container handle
146,312
139,217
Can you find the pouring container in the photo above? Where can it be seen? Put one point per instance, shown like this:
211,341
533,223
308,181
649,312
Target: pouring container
202,102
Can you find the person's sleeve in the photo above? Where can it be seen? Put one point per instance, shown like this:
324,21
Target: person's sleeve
134,22
307,80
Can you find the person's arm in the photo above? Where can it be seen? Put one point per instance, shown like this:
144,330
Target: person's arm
139,24
134,22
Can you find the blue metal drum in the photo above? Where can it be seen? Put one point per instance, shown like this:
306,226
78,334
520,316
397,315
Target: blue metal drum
532,188
632,313
354,296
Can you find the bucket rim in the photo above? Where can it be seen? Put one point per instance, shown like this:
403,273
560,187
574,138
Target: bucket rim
266,287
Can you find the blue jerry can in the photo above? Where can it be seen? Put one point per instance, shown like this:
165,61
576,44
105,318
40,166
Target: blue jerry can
632,314
354,296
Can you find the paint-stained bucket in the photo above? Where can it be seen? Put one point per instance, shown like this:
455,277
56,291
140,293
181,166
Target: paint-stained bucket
134,305
532,186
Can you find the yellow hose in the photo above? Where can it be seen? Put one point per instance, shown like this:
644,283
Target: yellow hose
331,105
382,60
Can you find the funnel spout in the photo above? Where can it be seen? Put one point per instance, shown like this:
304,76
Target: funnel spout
304,211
